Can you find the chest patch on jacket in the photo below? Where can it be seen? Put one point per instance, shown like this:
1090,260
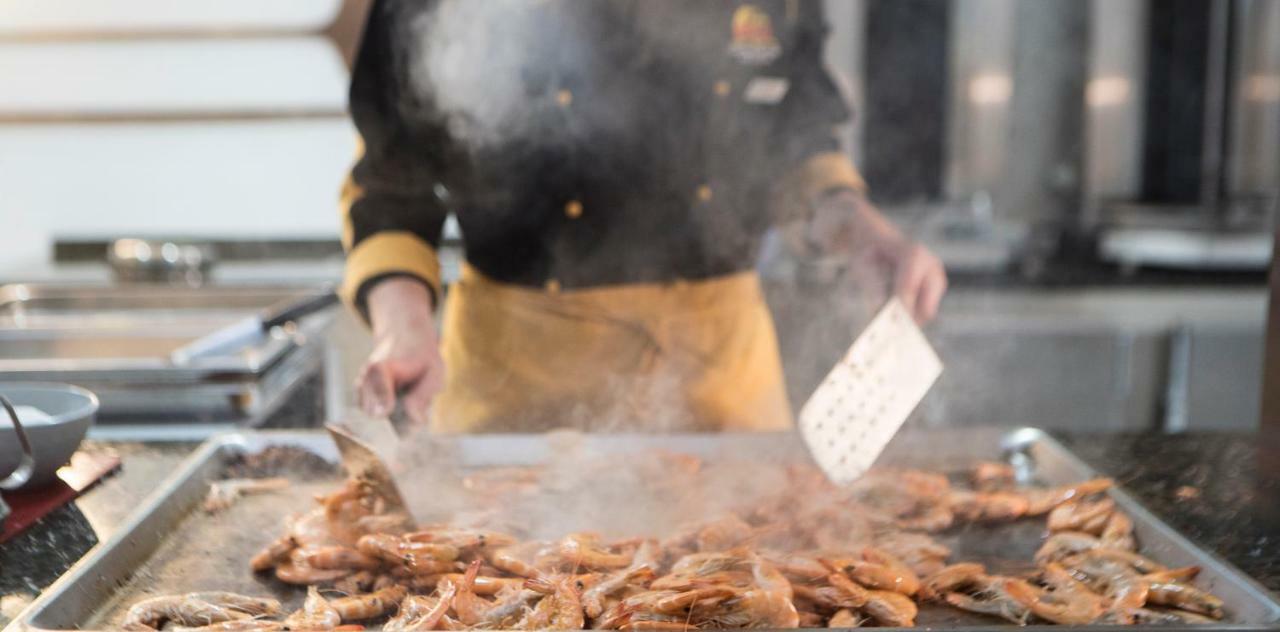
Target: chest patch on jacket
766,90
753,42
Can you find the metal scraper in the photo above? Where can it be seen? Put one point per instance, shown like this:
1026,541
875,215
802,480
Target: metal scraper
367,448
868,395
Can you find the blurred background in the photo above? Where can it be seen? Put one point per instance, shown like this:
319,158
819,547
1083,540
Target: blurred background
1099,176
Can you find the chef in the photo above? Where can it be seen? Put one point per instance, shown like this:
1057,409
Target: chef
613,167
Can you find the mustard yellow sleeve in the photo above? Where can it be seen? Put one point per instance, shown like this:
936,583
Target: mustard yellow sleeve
380,254
390,253
820,173
392,214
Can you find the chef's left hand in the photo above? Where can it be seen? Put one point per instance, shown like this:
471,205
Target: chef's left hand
845,223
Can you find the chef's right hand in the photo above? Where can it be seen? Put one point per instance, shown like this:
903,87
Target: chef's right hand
406,353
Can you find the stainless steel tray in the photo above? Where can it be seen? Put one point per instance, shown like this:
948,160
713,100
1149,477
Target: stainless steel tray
125,334
165,546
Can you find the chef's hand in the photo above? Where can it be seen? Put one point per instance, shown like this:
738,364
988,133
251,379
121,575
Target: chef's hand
846,223
406,352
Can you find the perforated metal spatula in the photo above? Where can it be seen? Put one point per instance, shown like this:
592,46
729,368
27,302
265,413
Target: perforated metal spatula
869,394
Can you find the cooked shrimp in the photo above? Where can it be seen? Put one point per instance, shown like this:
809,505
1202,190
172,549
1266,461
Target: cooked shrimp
394,548
196,609
1161,616
951,579
585,550
654,622
298,570
223,494
722,534
422,613
988,506
932,517
311,529
517,559
358,582
904,580
727,567
462,538
1004,597
1119,582
1069,602
1042,501
339,558
844,618
1064,544
1140,563
275,553
345,507
1185,597
1079,515
990,476
797,568
485,585
850,595
1182,574
560,610
242,625
469,607
769,602
880,570
316,614
594,597
923,554
303,575
395,523
1118,532
898,492
891,609
151,614
507,609
256,606
370,606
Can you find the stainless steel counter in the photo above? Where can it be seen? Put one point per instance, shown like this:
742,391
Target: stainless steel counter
1080,359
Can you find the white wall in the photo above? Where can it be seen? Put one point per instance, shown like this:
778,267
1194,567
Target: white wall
150,117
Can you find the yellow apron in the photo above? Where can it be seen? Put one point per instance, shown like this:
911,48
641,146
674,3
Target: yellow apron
684,356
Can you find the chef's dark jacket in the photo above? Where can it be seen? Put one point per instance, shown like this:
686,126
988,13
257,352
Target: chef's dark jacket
644,140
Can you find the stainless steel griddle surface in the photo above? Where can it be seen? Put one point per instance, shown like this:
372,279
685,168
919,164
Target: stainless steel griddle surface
170,546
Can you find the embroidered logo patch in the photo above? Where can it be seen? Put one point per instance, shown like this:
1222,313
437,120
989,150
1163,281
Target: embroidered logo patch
753,41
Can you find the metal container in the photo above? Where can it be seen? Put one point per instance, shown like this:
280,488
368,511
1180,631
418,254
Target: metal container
165,547
118,341
71,410
150,261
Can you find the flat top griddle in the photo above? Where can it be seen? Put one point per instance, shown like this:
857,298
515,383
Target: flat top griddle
169,546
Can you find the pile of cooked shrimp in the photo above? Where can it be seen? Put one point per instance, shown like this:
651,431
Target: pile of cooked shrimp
811,556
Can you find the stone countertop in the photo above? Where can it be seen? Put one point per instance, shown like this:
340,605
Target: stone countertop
37,557
1220,490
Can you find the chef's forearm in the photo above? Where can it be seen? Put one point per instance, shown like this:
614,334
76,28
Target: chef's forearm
844,222
399,302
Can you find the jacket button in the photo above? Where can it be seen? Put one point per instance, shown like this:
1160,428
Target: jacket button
564,98
722,88
704,193
552,286
573,210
